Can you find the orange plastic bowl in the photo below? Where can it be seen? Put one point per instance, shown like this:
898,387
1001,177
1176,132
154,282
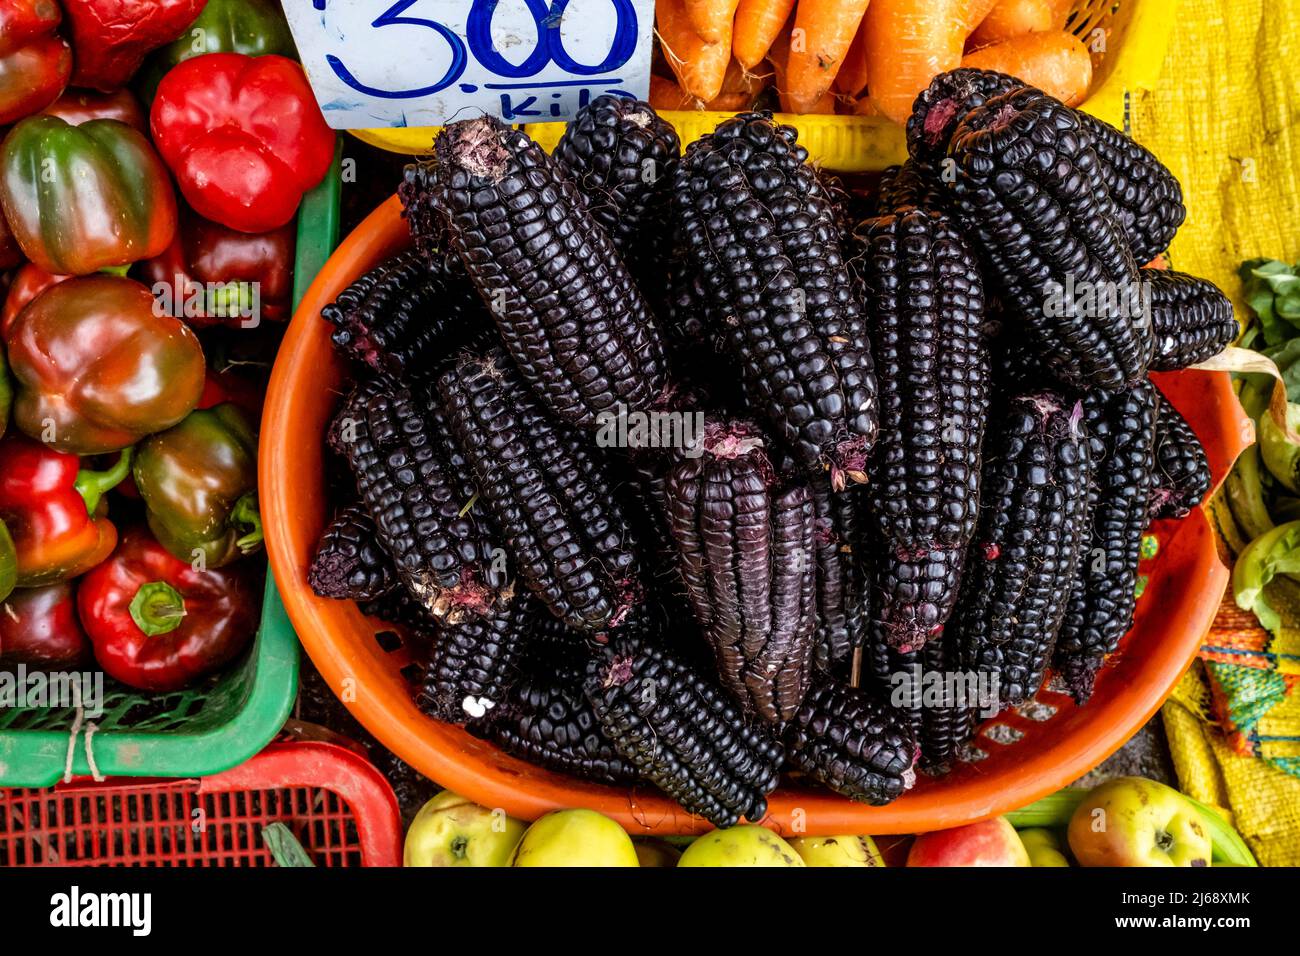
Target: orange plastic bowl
1029,753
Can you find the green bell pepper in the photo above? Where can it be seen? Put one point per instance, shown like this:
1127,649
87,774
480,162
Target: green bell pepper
252,27
198,480
80,198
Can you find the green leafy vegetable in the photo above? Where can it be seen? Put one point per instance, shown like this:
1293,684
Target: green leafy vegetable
1271,554
1273,291
1281,457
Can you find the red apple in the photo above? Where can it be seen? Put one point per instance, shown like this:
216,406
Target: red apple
987,843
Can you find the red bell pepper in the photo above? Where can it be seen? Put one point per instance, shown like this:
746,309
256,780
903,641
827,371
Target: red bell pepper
29,282
97,368
212,274
39,627
82,106
159,624
243,136
35,62
55,510
112,37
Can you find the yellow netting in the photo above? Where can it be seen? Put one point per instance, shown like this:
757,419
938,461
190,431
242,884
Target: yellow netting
1223,116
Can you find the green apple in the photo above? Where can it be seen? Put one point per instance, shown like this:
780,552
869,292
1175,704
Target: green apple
746,845
838,851
575,838
656,853
1044,847
451,831
1132,821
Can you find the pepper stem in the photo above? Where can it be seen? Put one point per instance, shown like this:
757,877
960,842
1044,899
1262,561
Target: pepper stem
157,608
93,485
246,515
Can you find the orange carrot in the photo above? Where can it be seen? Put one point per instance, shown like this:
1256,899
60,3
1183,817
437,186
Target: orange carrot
1056,62
1013,18
907,42
973,13
730,103
860,107
712,19
667,95
851,80
740,80
1060,13
823,31
699,66
757,25
779,58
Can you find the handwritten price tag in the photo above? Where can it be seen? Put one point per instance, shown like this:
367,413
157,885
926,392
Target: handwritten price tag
376,63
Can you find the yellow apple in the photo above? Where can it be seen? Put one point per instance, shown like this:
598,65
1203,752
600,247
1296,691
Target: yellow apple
838,851
1132,821
452,831
746,845
1044,847
575,838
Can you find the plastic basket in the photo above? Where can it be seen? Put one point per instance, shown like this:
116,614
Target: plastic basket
1027,754
340,808
1127,54
225,719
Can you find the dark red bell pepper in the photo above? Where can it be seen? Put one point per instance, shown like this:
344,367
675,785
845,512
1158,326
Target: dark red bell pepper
39,627
6,391
157,623
35,62
212,274
97,367
54,510
243,136
112,37
29,282
82,198
232,385
82,106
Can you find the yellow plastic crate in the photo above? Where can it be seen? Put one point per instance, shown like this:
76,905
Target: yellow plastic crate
1127,55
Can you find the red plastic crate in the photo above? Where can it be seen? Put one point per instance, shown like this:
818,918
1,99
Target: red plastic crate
334,801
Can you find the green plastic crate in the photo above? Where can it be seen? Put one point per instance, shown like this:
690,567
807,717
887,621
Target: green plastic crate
227,718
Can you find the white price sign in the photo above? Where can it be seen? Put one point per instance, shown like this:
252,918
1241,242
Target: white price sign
376,63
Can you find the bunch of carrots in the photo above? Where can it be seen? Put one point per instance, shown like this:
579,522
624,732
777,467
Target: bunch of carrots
863,57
